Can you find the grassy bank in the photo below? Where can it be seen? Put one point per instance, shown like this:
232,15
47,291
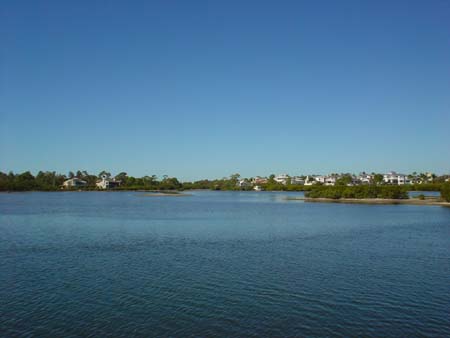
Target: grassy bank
358,192
373,194
381,201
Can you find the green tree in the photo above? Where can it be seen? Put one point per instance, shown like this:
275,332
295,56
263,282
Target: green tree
5,181
123,176
104,173
24,181
46,180
170,183
378,179
344,180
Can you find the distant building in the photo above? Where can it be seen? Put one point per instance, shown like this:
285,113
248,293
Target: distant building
326,180
106,183
243,183
259,180
430,177
297,180
395,178
74,183
364,178
319,179
330,180
283,178
310,180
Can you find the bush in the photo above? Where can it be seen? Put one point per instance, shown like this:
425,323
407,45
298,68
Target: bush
360,192
445,192
425,187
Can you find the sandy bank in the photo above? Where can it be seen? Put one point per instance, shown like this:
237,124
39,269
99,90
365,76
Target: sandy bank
158,194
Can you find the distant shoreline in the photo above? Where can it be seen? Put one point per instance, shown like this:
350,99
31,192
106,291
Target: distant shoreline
375,201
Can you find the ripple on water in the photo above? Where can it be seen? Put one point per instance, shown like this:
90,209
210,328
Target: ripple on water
220,265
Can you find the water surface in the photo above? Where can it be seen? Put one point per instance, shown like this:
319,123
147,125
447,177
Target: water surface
120,264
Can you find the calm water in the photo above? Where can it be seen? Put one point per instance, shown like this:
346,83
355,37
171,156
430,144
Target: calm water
220,264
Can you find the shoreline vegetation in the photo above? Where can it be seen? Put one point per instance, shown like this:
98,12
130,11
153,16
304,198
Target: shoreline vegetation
343,191
359,192
435,201
373,194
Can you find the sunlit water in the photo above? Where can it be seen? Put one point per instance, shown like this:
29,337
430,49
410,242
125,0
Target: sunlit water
121,264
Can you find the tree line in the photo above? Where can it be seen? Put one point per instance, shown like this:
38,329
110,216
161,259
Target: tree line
52,181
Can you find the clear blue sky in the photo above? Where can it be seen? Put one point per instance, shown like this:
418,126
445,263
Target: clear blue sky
198,89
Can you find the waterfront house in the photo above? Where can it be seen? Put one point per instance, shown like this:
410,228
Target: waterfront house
74,182
326,179
297,180
244,183
259,180
283,178
107,183
320,179
395,178
310,180
364,178
330,180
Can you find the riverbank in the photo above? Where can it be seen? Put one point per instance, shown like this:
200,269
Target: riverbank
375,201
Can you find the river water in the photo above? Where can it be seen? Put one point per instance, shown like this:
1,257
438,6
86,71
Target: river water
122,264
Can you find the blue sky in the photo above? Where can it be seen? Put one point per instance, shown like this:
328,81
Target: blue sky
203,89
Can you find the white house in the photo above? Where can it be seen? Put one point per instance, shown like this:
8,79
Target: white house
297,180
330,180
395,178
326,180
74,183
106,183
320,179
310,180
364,178
283,178
243,183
